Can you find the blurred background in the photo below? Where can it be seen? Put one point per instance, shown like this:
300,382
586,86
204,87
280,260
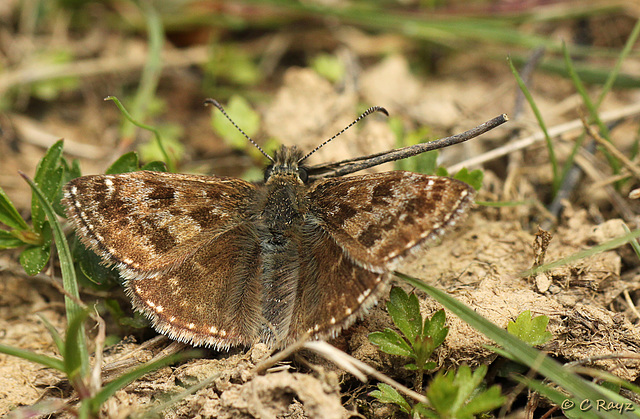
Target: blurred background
292,72
297,72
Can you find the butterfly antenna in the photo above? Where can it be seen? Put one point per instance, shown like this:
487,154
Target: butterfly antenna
221,109
365,114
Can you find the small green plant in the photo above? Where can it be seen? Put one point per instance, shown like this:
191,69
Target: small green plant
419,338
51,173
532,330
456,394
450,395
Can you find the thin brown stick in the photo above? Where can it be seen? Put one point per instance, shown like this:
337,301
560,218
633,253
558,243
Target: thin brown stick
556,131
349,363
103,65
611,148
346,167
631,304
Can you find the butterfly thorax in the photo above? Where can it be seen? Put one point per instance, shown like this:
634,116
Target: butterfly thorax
284,201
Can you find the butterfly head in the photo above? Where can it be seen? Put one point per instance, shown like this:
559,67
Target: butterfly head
286,162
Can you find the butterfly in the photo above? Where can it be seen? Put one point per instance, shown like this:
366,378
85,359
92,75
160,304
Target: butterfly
219,262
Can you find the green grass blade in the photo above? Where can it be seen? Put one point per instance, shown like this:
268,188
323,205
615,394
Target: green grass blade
603,247
569,405
69,280
613,75
55,335
128,377
154,130
72,351
519,350
534,107
593,110
47,361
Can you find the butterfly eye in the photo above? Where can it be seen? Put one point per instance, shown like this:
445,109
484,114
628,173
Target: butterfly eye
302,173
267,172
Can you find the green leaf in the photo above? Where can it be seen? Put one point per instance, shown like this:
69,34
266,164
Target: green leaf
435,328
391,343
9,241
467,382
473,178
73,364
55,335
405,312
127,378
514,347
9,215
443,393
155,166
128,162
66,267
328,66
531,330
244,116
388,394
47,361
34,258
91,266
48,177
483,402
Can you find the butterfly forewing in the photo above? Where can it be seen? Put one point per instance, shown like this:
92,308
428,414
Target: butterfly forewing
377,219
159,230
146,221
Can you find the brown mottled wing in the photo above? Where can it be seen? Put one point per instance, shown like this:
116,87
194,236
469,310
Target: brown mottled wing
159,230
367,224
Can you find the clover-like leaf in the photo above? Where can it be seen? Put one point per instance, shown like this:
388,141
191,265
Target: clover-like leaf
388,394
405,312
531,330
485,401
435,328
126,163
456,395
473,178
391,343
